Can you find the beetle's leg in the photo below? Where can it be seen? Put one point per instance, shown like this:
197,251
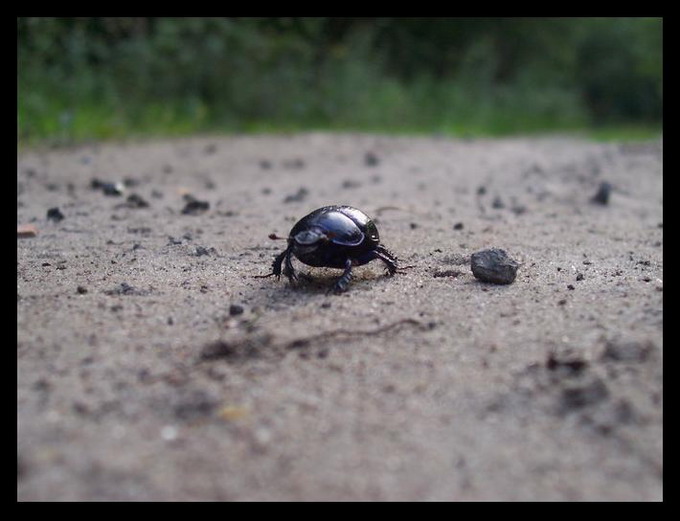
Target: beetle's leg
288,269
342,283
276,265
388,258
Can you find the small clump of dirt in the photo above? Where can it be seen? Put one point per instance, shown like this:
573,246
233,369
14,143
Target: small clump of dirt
602,194
126,289
54,214
298,196
111,188
247,348
194,206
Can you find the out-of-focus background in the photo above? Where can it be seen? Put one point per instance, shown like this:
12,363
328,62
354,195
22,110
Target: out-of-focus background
97,78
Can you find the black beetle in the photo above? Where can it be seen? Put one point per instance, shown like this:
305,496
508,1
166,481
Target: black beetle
333,237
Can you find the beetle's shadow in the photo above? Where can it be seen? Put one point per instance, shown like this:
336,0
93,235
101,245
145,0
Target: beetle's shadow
320,281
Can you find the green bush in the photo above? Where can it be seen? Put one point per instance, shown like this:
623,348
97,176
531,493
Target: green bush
83,78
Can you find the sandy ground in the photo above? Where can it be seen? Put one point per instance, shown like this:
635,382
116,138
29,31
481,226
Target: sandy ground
153,365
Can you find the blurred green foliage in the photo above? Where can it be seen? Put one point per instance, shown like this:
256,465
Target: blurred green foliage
84,78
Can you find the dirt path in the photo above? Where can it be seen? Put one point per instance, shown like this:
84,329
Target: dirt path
152,365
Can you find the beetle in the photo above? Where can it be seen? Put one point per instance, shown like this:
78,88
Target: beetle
333,237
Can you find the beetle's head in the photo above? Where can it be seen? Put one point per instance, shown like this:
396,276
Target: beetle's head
309,240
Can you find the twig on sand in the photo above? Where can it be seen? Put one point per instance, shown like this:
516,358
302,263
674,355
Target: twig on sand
303,341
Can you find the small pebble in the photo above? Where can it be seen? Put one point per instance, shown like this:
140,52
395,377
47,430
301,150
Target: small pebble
294,164
136,201
194,206
114,189
370,159
297,197
108,188
235,309
494,266
350,183
24,231
498,203
169,433
54,214
231,412
602,195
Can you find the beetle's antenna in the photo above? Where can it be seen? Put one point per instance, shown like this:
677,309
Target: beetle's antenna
275,237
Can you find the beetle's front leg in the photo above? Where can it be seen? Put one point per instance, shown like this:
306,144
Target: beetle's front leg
288,269
276,265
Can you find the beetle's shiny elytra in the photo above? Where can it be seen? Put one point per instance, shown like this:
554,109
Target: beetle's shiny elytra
334,237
